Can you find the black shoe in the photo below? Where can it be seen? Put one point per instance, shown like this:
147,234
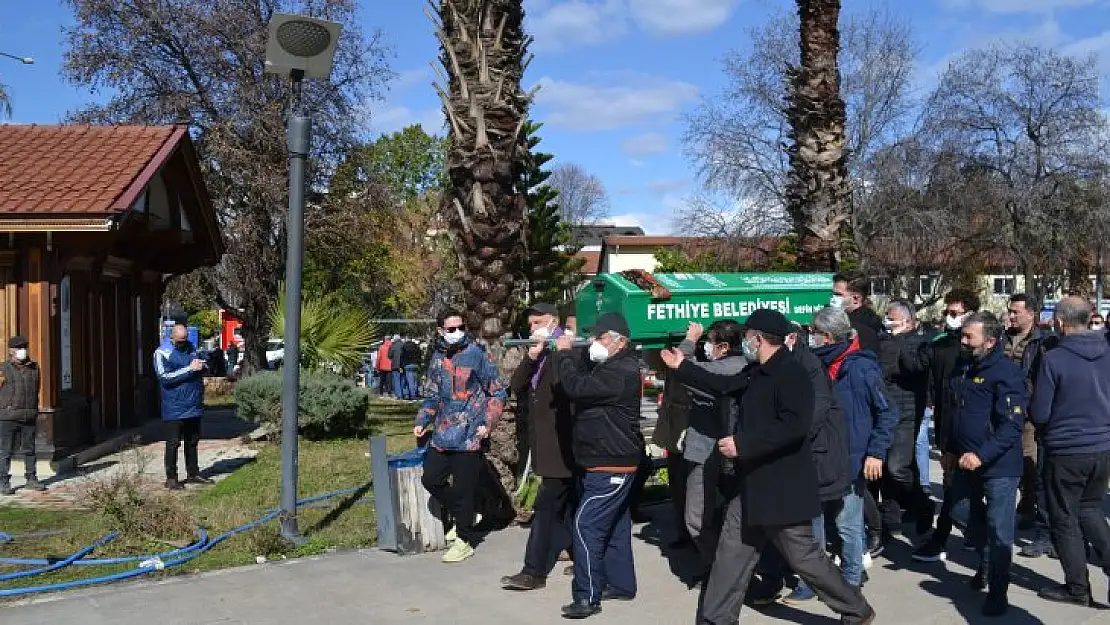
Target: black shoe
980,580
763,594
34,484
1026,523
581,609
682,542
198,479
1038,549
6,488
867,619
1060,594
173,484
930,552
639,516
875,543
523,581
995,605
612,595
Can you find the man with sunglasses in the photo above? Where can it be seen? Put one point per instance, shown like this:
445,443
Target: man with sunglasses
460,413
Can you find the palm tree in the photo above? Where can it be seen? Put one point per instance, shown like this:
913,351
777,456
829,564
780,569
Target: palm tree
818,190
482,50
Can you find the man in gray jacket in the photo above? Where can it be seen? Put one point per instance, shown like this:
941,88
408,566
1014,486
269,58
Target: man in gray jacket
710,420
19,411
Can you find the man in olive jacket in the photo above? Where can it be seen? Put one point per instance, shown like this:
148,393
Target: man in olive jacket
19,412
535,383
772,452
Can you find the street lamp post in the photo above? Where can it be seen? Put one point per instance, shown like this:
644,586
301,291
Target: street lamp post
298,47
26,60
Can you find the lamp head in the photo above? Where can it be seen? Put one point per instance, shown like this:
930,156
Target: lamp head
301,44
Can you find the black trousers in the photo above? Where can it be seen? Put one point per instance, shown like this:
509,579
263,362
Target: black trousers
678,471
452,478
187,430
17,438
550,531
1075,487
898,486
738,553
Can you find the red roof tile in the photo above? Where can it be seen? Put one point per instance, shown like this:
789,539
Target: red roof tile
78,170
591,262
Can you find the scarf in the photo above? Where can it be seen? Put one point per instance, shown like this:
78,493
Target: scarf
543,358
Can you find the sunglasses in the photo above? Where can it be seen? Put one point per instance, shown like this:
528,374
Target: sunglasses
451,329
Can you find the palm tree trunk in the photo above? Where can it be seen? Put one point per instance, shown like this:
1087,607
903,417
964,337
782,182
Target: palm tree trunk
482,49
818,190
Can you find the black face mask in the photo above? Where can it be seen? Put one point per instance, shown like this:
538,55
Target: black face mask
967,353
182,345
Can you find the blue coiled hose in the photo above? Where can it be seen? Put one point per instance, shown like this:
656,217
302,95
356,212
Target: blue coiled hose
202,538
61,564
183,555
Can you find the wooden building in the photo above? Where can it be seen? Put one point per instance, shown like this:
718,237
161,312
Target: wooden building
93,220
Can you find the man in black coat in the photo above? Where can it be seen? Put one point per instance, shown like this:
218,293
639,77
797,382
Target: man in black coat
772,454
536,385
909,390
609,446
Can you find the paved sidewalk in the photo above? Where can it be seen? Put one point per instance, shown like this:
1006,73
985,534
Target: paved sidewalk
385,589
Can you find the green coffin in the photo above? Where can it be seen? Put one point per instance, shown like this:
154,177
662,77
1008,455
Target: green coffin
701,297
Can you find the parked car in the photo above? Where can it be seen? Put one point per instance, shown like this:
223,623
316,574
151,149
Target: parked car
275,353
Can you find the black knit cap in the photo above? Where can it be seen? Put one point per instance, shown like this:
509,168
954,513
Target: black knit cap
543,308
769,322
17,342
610,322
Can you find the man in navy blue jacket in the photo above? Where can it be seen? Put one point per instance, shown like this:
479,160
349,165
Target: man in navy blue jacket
181,382
983,448
1071,408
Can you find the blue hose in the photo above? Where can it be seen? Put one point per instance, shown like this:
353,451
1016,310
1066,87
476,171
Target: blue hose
184,555
60,564
5,538
202,538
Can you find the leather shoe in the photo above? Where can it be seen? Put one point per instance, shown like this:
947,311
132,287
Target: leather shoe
612,595
523,581
980,580
581,609
867,619
198,479
174,485
1060,594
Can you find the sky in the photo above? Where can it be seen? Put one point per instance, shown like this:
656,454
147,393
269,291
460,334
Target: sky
616,77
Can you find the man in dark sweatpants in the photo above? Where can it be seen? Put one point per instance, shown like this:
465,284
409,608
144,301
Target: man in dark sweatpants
19,412
608,446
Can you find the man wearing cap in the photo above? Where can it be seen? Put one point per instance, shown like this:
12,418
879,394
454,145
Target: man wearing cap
608,445
550,427
19,412
772,453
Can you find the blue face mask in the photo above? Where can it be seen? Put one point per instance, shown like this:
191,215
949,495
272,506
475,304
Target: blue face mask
749,350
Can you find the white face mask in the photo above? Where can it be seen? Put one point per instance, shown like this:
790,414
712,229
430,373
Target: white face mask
454,337
708,348
888,324
749,350
598,352
543,333
955,323
21,354
836,301
814,341
1097,326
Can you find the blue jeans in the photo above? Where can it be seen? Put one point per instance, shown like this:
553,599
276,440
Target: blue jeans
922,451
412,391
849,525
991,522
398,383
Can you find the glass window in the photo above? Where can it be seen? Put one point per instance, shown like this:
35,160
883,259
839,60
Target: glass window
1003,286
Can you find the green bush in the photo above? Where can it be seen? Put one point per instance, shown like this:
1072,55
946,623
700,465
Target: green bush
330,406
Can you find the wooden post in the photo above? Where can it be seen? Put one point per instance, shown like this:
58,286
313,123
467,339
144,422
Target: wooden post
403,507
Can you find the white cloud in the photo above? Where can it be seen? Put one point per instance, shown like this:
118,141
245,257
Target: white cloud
1020,6
667,185
635,162
647,143
652,223
681,17
406,79
390,119
564,24
613,103
578,22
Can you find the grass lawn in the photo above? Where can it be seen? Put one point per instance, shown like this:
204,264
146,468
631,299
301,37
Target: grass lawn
325,466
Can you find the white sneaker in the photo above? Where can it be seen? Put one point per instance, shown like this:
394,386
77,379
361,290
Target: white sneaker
866,561
452,534
458,552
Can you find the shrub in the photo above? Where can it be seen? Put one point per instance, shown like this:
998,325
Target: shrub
130,504
330,406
